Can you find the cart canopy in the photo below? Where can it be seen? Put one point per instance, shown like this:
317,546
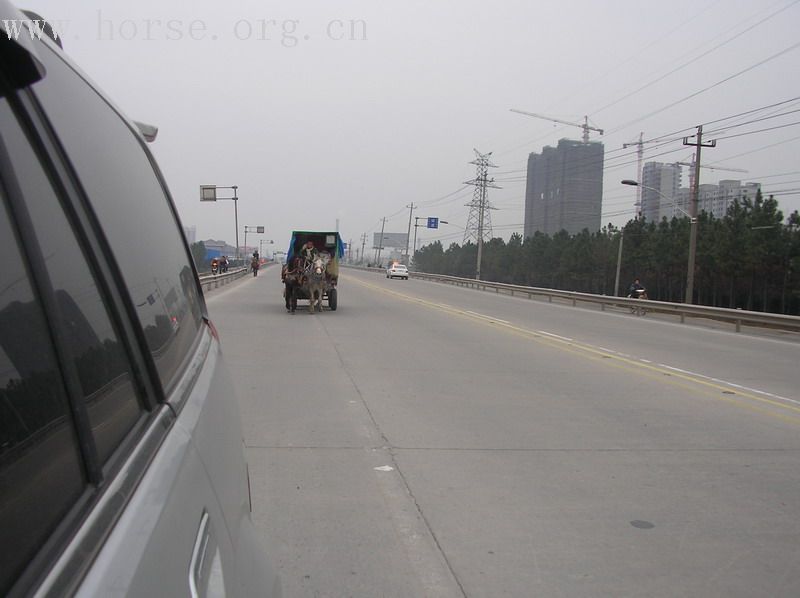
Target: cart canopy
322,240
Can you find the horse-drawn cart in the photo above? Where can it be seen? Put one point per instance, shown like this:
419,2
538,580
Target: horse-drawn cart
312,269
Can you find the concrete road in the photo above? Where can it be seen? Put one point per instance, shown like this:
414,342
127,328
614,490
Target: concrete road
426,440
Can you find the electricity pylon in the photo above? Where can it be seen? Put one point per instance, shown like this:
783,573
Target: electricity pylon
479,223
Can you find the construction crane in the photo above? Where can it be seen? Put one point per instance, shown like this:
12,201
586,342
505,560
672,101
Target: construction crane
691,169
712,167
640,156
585,126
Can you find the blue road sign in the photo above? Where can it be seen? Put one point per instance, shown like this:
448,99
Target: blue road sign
433,223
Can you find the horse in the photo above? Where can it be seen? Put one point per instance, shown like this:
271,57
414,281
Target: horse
315,282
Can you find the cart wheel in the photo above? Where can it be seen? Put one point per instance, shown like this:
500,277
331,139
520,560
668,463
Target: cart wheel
332,299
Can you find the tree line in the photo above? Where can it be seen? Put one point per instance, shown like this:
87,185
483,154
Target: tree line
750,259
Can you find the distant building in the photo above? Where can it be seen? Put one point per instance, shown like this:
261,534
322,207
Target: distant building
683,202
564,188
716,199
660,185
706,197
730,191
219,248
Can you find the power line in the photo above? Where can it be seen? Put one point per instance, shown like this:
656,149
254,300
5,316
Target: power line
755,150
654,42
701,56
772,176
754,110
639,52
432,202
610,166
759,130
712,86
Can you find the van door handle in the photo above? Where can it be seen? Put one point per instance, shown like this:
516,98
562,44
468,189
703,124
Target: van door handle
198,562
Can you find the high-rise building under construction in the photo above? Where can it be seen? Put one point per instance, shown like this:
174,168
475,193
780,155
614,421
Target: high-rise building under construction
564,188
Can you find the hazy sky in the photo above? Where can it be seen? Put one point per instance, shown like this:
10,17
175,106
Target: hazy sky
321,110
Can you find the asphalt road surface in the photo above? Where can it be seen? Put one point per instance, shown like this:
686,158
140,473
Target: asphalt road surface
427,440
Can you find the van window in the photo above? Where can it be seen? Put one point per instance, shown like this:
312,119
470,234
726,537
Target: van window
99,358
133,209
41,473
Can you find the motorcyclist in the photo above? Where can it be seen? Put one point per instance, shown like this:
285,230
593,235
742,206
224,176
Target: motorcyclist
636,290
214,266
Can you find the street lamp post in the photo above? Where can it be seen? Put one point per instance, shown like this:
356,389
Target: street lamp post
692,236
252,229
209,193
619,261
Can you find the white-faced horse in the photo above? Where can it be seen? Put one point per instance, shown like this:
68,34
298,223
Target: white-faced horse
315,283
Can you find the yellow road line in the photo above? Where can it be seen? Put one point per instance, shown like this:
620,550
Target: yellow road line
602,355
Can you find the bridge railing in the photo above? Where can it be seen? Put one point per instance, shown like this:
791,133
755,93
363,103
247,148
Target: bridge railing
213,281
737,317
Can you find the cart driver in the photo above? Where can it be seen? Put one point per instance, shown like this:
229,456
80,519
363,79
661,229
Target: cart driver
309,252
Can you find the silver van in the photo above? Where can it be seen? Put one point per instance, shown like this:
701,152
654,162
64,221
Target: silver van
122,469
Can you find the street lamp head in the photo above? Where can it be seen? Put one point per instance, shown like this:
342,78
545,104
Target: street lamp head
633,183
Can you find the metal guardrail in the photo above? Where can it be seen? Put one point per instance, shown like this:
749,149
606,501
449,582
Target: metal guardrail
738,317
213,281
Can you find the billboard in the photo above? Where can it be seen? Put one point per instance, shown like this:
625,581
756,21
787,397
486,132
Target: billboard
395,240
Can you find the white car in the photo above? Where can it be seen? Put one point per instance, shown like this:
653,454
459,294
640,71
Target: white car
397,271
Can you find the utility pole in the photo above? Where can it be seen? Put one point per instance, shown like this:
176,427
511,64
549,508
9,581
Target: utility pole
693,211
619,261
363,242
479,205
416,226
350,252
408,234
380,242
